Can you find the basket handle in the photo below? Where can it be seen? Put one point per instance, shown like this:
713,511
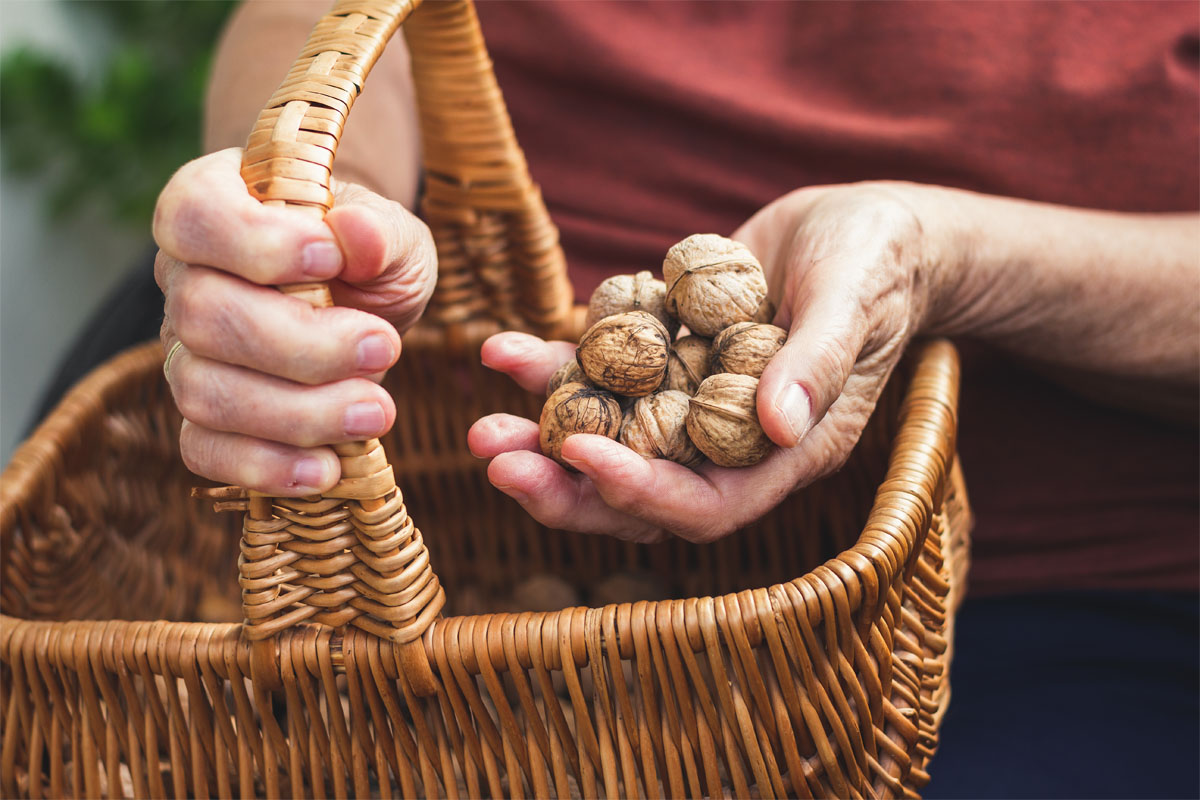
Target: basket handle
499,259
352,556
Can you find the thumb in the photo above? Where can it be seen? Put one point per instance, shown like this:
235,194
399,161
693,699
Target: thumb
390,259
810,371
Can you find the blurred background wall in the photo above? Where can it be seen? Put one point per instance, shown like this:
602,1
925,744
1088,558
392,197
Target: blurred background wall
99,102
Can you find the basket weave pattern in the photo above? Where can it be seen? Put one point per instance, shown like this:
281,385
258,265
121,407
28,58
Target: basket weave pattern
758,684
831,684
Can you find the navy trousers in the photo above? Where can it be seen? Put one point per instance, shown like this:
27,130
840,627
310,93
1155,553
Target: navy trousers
1084,695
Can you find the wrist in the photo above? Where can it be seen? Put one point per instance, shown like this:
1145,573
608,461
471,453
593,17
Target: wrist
936,246
946,271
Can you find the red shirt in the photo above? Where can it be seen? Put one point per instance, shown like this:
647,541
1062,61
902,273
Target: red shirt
645,122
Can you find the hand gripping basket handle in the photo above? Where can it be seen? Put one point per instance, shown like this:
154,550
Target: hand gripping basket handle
352,556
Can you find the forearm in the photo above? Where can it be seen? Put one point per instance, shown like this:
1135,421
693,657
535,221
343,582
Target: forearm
380,148
1098,292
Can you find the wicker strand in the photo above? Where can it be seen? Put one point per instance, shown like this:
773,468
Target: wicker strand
769,691
507,241
833,683
361,561
498,251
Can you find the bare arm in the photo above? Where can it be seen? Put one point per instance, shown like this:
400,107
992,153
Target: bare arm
381,145
1106,302
1109,302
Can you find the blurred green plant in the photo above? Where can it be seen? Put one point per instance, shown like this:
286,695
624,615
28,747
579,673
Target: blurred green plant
113,136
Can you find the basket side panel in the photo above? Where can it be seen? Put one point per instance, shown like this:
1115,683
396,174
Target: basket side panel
97,522
167,709
817,686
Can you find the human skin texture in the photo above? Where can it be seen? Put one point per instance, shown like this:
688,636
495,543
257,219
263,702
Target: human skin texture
1107,301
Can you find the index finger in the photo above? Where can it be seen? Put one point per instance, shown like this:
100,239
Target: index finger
528,360
206,215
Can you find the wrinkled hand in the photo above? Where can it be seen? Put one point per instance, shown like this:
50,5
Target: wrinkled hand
263,380
852,270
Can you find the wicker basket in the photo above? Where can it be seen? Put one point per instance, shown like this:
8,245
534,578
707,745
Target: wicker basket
347,674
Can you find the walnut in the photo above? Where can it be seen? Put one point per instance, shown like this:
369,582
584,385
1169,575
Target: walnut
687,364
656,428
625,353
723,421
577,408
567,373
622,293
745,348
713,282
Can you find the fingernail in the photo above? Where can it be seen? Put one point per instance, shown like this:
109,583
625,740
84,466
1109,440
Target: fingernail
520,346
321,260
309,472
579,465
375,353
514,493
364,419
796,408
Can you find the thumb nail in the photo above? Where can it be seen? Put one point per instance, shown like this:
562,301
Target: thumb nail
579,465
796,407
514,493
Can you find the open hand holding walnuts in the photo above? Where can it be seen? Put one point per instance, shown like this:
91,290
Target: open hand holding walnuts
849,273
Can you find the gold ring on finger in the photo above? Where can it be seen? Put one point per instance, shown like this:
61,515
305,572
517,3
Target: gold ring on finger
167,362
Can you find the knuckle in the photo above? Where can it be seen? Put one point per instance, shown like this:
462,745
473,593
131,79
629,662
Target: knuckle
191,449
188,305
426,249
186,222
201,396
208,313
247,216
415,241
188,395
320,357
837,436
182,308
220,401
188,455
260,246
166,211
163,266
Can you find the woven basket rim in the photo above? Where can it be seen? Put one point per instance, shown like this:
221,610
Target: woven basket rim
886,544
